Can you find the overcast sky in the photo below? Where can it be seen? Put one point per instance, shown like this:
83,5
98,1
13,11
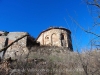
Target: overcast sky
34,16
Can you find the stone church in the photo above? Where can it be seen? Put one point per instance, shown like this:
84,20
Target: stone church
56,36
53,36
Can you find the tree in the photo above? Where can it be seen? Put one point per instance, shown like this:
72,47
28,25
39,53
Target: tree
94,7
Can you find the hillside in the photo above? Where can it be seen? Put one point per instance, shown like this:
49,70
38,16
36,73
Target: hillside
46,60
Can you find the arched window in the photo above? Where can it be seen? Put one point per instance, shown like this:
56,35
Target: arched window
63,41
54,39
47,40
62,36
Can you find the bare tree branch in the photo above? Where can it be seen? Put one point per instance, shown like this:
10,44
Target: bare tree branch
94,3
83,28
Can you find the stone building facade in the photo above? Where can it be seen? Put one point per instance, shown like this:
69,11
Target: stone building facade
19,48
56,36
53,36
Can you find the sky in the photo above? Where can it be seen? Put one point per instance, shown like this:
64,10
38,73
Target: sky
34,16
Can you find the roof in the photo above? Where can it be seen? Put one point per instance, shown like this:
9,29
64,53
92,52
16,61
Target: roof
50,28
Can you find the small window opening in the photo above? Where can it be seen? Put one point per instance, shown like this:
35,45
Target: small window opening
47,37
62,36
63,42
0,34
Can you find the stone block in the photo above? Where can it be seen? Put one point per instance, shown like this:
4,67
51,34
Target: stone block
15,35
19,48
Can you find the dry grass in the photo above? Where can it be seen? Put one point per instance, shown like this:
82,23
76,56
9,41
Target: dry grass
54,61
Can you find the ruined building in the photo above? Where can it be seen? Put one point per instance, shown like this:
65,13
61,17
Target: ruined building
53,36
19,47
56,36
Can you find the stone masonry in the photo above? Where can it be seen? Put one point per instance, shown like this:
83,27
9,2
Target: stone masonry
56,36
19,48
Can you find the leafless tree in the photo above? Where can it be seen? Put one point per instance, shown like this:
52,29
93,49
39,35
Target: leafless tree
94,10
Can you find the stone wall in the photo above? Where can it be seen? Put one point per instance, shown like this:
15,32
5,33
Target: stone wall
60,37
19,48
56,37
